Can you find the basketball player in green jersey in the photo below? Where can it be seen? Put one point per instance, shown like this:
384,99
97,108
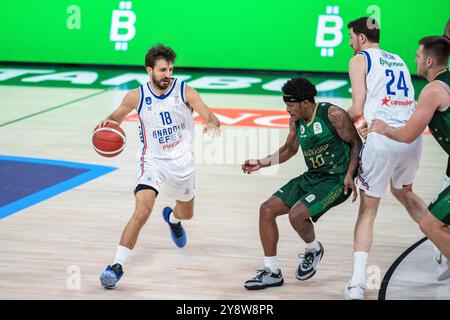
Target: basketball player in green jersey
446,181
433,109
330,146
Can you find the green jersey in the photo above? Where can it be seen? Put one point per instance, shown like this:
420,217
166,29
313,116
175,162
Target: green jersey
322,148
440,123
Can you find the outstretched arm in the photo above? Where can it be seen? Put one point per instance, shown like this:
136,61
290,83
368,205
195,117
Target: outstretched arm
357,73
194,101
289,149
129,102
347,132
430,99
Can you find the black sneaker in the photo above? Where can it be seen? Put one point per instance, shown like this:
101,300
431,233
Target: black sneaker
308,263
263,279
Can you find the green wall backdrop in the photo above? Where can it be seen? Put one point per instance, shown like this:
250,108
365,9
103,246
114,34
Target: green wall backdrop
309,35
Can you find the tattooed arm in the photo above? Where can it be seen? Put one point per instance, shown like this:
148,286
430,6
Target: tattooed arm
347,132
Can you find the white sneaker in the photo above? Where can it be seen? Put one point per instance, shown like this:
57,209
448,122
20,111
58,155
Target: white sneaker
443,268
354,290
437,254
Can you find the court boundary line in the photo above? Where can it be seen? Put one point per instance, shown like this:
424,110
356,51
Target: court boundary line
393,267
53,108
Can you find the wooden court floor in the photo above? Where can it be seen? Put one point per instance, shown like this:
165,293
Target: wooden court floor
57,248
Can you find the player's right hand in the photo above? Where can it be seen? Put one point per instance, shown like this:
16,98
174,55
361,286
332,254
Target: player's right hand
349,183
104,122
251,165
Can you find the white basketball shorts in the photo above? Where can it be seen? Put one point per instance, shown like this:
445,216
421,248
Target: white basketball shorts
384,161
174,177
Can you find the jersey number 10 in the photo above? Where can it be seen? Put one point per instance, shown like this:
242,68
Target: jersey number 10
401,84
317,162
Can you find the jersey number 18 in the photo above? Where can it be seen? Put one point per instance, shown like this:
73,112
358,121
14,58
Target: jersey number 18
165,118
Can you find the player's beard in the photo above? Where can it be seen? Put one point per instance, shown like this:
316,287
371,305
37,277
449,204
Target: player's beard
161,85
356,48
421,70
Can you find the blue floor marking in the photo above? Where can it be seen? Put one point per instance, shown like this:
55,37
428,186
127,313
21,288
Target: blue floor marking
83,173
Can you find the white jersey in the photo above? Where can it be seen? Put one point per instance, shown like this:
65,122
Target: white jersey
390,92
166,125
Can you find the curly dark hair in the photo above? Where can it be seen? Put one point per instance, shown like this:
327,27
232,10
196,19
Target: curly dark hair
157,52
300,88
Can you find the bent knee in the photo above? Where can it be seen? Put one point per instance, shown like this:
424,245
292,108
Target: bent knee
296,214
402,193
266,211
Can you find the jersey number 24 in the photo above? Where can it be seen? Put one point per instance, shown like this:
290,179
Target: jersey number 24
401,84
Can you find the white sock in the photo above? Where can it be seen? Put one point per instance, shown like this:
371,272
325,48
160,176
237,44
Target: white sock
271,263
173,219
314,245
122,254
359,267
446,182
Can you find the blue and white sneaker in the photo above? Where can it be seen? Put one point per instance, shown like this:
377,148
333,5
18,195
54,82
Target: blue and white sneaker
176,229
111,276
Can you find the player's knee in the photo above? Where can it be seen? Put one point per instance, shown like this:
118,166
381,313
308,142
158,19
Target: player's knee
266,211
298,215
401,194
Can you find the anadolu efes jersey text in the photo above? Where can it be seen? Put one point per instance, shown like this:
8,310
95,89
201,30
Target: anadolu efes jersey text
166,125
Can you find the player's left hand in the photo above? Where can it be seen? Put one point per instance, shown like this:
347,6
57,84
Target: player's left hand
212,129
350,184
361,127
363,131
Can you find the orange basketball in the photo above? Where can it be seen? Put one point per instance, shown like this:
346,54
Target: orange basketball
109,141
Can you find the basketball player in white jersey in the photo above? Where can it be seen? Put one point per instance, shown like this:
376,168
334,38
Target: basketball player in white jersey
165,159
381,88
